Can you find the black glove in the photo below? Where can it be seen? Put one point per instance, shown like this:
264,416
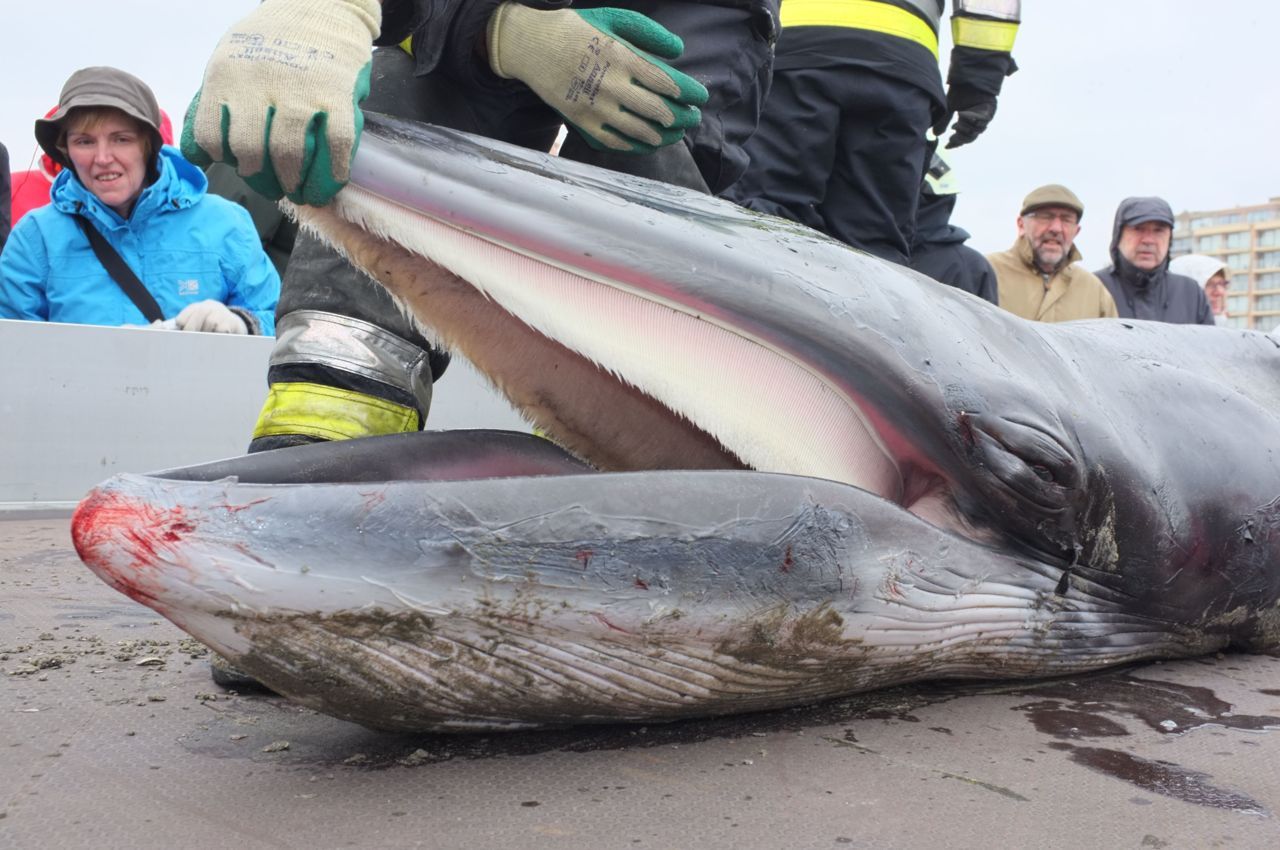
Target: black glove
975,110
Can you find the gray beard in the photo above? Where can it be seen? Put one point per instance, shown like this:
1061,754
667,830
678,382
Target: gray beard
1057,267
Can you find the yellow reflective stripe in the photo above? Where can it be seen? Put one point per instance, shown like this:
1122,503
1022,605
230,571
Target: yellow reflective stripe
985,35
329,413
860,14
407,45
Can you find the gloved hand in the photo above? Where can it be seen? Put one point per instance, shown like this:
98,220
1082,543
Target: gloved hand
211,317
281,97
975,110
591,66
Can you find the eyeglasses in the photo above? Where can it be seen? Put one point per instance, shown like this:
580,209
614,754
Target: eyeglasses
1068,219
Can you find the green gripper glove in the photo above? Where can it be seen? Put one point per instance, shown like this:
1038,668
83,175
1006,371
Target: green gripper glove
594,67
281,97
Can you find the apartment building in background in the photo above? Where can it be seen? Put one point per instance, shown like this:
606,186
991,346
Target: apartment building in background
1247,239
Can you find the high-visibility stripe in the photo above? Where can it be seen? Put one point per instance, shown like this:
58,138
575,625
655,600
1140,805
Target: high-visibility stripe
860,14
985,35
329,413
407,45
992,10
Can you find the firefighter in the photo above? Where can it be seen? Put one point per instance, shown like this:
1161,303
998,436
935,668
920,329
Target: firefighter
841,146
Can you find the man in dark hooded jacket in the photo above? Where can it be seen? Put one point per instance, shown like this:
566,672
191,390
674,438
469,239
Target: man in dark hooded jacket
1139,278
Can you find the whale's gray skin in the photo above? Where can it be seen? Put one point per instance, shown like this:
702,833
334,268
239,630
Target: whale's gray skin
812,473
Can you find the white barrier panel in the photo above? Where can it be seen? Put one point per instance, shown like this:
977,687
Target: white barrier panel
80,403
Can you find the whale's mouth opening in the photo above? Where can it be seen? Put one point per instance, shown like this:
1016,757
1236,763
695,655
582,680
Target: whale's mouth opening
629,374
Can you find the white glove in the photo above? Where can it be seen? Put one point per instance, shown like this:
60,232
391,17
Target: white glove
281,97
211,317
600,69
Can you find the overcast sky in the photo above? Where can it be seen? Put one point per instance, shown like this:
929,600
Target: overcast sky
1114,97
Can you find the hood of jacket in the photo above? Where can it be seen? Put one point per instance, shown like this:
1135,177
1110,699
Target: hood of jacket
933,221
1136,211
178,186
1198,267
1158,294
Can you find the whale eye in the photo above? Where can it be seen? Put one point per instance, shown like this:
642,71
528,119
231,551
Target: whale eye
1031,463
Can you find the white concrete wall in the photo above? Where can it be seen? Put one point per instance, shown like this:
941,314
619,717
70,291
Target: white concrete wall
80,403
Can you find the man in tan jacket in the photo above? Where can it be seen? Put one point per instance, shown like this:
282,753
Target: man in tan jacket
1036,277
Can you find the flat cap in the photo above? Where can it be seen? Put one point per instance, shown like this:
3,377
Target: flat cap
1052,195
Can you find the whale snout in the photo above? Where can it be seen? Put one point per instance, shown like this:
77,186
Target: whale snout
126,541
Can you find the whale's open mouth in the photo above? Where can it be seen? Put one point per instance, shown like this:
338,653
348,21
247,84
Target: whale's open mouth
713,394
579,321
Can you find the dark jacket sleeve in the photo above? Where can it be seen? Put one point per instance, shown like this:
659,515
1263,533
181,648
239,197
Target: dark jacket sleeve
447,35
397,22
982,55
988,286
1204,313
979,71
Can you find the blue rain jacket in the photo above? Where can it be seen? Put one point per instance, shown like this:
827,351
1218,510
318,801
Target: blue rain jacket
183,244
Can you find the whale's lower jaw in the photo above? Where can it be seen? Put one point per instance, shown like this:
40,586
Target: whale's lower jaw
497,604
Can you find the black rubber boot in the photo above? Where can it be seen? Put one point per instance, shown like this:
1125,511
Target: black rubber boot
227,675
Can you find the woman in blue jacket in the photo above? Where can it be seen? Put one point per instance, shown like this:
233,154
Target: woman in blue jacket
198,255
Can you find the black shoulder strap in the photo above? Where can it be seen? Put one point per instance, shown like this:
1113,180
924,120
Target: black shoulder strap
120,271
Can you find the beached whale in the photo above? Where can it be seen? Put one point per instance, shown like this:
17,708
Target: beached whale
807,473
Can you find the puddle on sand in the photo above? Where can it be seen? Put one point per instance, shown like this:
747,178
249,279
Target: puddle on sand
1075,709
1164,778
